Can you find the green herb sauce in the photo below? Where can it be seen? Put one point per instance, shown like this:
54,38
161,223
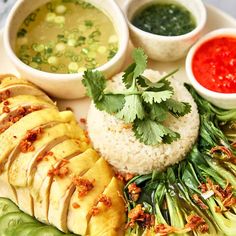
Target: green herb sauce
164,19
66,36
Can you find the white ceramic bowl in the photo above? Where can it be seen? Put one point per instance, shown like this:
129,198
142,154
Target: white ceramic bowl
166,48
223,100
67,86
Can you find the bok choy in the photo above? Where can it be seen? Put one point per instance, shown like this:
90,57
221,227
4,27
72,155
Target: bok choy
196,196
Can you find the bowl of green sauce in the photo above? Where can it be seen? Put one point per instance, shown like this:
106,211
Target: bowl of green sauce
165,29
52,42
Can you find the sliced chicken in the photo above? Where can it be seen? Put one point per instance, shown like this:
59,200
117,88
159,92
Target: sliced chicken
39,181
50,137
114,214
81,206
11,138
15,108
48,168
62,187
11,86
64,150
39,173
24,161
23,100
9,79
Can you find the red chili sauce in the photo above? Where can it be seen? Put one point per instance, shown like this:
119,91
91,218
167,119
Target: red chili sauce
214,65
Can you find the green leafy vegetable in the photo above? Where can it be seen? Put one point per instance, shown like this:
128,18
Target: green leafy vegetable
110,103
140,62
178,108
196,196
135,69
144,104
158,112
132,109
144,128
95,84
156,97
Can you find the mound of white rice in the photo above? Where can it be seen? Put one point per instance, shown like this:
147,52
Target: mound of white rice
118,145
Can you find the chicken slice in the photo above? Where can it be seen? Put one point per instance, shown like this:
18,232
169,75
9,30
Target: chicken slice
110,220
39,182
11,138
8,79
23,100
50,137
24,162
100,174
63,150
62,187
11,86
18,107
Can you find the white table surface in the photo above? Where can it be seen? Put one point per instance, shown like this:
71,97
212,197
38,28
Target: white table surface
228,6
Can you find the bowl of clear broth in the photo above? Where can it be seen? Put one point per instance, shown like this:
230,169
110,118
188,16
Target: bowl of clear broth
165,29
52,43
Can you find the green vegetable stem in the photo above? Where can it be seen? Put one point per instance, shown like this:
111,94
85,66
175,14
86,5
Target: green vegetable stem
196,196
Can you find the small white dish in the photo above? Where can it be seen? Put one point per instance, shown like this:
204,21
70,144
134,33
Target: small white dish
66,86
166,48
222,100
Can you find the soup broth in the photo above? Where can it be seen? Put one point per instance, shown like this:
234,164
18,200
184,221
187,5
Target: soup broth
66,36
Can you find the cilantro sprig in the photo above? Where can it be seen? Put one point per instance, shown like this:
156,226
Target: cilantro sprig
142,103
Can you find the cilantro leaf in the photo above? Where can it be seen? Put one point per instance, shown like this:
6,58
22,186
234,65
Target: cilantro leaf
152,133
171,136
166,86
148,132
163,83
144,82
178,108
128,76
95,83
132,109
135,69
111,103
140,59
143,103
156,97
158,112
141,81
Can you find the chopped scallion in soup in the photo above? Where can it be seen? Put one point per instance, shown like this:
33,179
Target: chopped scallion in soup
66,36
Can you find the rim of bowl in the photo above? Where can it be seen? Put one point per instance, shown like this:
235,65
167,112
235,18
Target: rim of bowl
123,43
192,33
188,66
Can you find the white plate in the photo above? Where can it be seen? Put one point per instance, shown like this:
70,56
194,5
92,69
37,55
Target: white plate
216,19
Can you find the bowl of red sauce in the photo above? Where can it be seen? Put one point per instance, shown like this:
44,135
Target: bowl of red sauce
211,67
